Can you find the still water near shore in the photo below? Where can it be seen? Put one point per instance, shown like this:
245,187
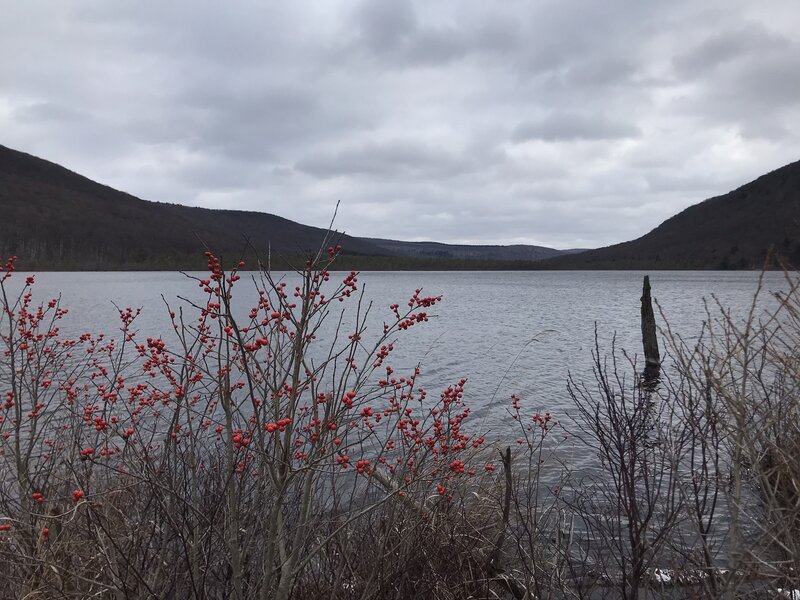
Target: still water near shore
506,332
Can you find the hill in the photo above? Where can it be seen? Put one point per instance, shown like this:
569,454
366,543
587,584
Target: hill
732,231
54,218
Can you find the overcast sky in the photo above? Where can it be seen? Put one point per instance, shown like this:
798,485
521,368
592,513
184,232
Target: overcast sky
566,124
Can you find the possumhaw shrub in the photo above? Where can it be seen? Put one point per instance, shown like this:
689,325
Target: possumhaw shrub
237,449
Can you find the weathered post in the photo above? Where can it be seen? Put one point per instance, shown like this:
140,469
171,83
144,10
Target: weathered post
652,357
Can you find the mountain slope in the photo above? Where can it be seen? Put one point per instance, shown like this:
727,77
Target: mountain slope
55,218
732,231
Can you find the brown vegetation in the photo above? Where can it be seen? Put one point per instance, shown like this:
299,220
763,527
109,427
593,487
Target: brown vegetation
242,457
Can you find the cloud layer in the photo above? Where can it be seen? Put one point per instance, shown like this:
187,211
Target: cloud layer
567,124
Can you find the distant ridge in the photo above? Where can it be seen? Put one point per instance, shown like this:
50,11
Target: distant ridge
468,252
732,231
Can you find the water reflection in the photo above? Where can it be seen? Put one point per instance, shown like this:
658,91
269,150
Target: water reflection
650,380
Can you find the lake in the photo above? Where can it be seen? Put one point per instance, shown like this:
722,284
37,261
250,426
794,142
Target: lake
506,332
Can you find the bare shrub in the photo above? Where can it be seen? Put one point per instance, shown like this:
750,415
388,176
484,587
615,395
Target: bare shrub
242,457
276,453
743,374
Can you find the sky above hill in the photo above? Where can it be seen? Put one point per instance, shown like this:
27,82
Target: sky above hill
560,123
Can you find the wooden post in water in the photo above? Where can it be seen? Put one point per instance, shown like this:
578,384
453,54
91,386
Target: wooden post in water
652,357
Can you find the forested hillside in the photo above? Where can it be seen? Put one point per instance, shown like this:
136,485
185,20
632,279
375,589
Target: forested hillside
54,218
732,231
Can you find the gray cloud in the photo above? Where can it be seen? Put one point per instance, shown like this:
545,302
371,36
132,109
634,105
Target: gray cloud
565,124
385,26
390,159
722,48
573,126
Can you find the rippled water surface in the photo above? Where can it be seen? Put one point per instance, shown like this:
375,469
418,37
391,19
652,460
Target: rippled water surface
519,332
506,332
